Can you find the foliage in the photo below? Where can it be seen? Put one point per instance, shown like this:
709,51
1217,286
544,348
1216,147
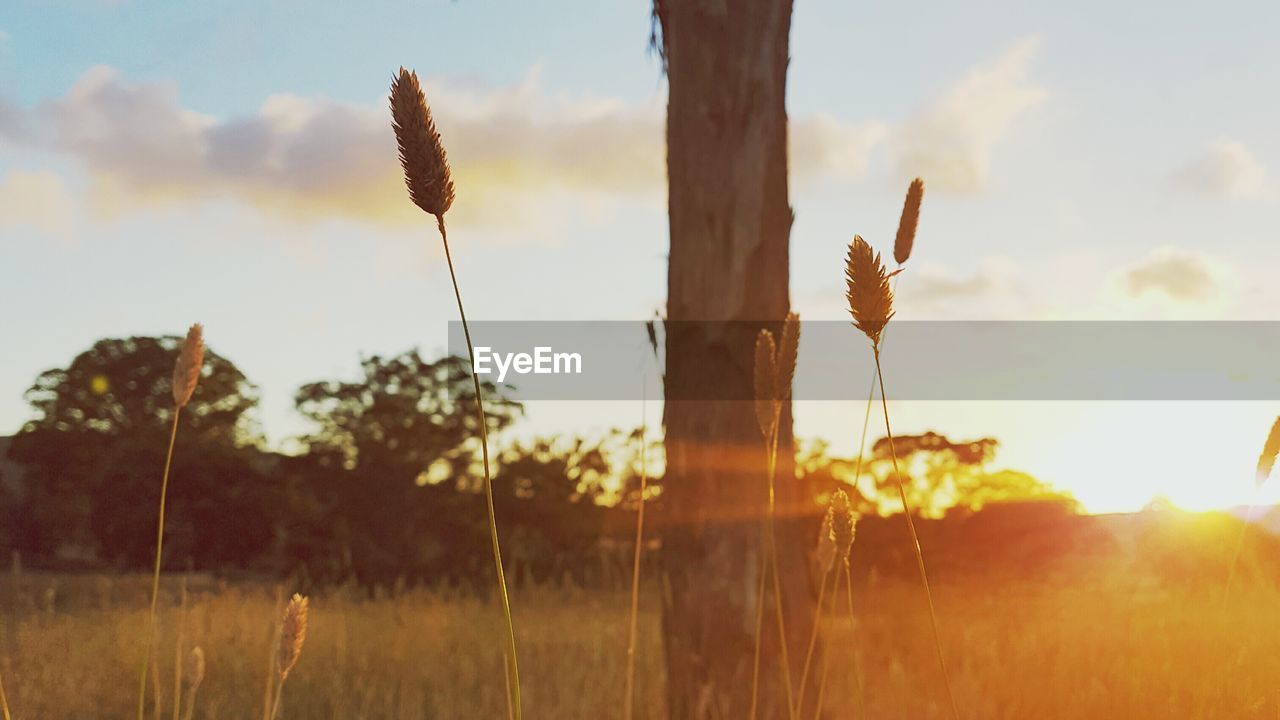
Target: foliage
387,483
121,387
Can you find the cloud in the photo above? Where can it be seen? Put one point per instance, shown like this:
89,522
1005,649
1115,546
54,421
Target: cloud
38,200
513,149
12,120
822,145
950,141
990,290
1224,169
1175,274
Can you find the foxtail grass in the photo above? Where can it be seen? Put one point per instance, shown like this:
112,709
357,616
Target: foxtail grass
195,668
905,240
824,664
633,617
186,374
429,180
293,632
834,543
871,305
773,372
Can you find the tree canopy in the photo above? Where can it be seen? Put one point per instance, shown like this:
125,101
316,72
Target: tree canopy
123,386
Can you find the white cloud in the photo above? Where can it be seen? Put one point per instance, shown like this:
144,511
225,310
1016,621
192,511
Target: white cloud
519,152
1169,283
38,200
514,149
950,141
991,290
1225,168
823,145
1176,274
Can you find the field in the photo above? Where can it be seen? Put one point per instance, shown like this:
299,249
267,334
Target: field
1108,642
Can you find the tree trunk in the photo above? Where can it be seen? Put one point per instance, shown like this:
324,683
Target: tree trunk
730,223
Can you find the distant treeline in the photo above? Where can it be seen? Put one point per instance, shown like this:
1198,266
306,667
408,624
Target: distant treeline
385,487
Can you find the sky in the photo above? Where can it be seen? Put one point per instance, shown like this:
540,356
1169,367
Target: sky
232,163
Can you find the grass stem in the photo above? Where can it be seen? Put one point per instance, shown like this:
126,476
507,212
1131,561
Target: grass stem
629,691
513,663
915,539
155,576
813,641
853,642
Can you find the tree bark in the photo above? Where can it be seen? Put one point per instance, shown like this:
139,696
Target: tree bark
730,223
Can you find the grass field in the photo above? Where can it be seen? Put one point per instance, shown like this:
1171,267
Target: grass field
1110,644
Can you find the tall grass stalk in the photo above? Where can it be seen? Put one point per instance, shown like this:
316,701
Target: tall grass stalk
769,568
429,181
772,549
268,686
155,576
513,664
853,644
195,676
177,651
834,548
813,639
772,375
824,664
293,632
915,540
186,373
629,690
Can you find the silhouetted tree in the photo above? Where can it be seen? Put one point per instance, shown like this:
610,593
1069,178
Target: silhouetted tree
122,387
89,453
940,475
394,458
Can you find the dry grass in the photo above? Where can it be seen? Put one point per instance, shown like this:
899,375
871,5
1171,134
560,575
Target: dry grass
772,374
1108,643
870,298
910,220
429,179
417,654
186,373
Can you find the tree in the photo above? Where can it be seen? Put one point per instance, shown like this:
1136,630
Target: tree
550,493
88,451
940,475
404,411
391,452
122,387
730,223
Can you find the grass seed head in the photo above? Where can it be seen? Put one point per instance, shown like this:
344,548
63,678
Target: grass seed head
843,520
827,550
870,298
195,668
765,380
1270,449
906,237
788,348
186,372
293,633
422,155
